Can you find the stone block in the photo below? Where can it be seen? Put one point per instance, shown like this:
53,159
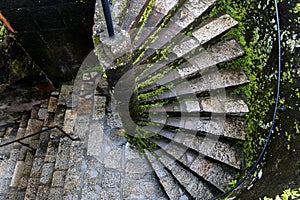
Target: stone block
52,104
111,179
63,154
31,189
46,175
58,179
37,167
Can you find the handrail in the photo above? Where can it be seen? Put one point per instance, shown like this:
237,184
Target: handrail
108,19
37,133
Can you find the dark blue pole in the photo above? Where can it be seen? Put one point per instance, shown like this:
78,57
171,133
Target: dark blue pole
108,18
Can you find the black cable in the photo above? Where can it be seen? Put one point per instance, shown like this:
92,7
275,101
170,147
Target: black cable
108,19
252,169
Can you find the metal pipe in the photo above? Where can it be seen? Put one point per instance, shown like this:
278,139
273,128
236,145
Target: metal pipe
108,19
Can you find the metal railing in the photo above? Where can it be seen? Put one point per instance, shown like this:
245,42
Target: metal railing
19,140
108,19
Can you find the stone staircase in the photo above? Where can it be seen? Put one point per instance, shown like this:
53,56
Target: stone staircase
192,122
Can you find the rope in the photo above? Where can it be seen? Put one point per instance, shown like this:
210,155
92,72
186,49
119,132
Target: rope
252,169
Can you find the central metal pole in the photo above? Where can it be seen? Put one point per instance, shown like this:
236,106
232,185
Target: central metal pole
108,19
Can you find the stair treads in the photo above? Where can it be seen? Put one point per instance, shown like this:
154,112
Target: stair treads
220,52
231,105
207,31
224,78
214,28
134,12
229,127
186,15
157,15
216,173
225,152
197,188
171,186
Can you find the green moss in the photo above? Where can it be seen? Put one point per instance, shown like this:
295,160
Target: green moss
286,195
141,141
3,31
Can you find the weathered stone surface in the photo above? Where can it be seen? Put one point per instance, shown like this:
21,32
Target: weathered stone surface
214,28
43,192
52,104
42,113
34,126
73,181
96,192
32,188
69,120
110,194
232,128
47,172
63,154
190,11
43,143
95,139
49,120
191,183
94,172
113,156
171,187
213,172
58,179
34,112
55,193
36,169
52,150
17,174
134,9
24,120
65,96
84,106
59,116
136,169
111,179
99,107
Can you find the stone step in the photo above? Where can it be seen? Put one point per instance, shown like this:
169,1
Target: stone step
171,186
55,157
184,45
74,176
208,83
134,13
186,13
200,63
228,128
221,151
41,141
152,20
7,168
195,186
30,123
15,149
215,173
230,105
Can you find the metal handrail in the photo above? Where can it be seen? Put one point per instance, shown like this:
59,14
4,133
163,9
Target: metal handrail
37,133
108,19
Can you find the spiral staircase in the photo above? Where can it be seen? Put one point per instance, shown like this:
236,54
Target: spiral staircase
190,123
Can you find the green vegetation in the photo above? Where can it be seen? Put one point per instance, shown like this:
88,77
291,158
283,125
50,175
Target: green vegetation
140,139
3,31
288,194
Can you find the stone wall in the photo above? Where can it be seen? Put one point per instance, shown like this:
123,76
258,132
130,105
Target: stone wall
56,33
